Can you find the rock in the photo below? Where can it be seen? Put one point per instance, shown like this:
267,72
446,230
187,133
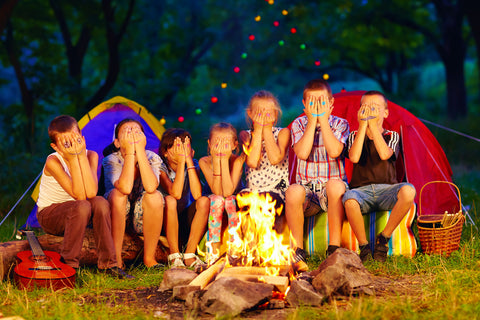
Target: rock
342,273
176,277
181,292
303,293
230,296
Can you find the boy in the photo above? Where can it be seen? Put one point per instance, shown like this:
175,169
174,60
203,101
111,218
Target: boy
318,140
67,201
373,151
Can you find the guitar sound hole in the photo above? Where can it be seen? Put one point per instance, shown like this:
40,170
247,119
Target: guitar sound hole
40,258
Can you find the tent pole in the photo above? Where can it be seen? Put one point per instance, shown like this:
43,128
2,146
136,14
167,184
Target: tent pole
23,195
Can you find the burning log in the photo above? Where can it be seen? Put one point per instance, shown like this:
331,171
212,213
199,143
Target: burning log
279,282
204,278
251,270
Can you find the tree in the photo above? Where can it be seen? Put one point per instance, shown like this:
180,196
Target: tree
443,26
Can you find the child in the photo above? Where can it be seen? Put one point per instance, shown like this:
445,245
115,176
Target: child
67,201
131,181
318,141
222,170
374,186
267,158
179,183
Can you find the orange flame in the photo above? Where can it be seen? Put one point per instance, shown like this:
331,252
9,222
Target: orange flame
254,239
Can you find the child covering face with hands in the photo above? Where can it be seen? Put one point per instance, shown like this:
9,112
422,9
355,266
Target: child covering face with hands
179,182
373,151
318,140
222,170
266,147
67,201
131,181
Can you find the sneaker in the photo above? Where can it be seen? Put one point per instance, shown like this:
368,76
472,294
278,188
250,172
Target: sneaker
330,250
299,261
381,248
117,273
365,253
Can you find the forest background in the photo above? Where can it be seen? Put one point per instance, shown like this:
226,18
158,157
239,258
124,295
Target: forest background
173,57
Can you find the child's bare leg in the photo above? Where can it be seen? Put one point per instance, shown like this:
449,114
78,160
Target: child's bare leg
355,218
118,204
152,225
199,223
336,214
294,200
405,198
171,223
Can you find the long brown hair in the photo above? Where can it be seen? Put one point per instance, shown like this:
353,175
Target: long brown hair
168,138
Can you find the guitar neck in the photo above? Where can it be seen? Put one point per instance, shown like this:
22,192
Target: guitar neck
34,244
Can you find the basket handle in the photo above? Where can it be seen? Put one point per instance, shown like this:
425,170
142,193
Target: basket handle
439,181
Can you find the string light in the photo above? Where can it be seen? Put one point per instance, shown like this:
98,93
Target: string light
244,55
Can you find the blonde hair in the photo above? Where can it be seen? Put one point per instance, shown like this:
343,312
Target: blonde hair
267,95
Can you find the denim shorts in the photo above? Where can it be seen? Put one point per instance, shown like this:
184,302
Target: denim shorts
375,197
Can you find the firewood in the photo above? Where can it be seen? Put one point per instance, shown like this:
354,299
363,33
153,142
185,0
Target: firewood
252,270
204,278
279,282
132,250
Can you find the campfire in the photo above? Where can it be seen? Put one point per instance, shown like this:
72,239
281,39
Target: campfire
255,271
255,252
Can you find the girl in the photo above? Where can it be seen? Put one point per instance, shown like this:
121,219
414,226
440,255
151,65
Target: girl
222,170
267,159
179,183
131,181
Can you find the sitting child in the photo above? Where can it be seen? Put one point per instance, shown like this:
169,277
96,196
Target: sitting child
131,181
318,140
222,170
373,151
179,182
68,200
267,155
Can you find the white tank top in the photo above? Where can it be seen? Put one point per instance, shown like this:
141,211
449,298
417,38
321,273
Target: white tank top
50,190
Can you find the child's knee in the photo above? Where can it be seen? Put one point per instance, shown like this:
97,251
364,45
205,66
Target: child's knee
203,203
407,193
351,205
82,210
335,188
295,194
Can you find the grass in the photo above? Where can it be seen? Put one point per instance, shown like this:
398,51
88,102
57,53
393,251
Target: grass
424,287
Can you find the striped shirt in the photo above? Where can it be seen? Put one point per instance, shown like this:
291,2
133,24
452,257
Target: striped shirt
320,167
370,169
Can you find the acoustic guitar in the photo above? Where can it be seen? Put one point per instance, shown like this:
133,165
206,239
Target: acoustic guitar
38,268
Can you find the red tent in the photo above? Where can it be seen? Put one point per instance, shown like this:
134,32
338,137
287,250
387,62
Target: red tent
423,157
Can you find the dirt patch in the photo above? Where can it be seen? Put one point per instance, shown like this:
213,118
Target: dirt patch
150,299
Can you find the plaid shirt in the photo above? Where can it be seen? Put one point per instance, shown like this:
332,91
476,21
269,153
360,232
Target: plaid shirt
320,167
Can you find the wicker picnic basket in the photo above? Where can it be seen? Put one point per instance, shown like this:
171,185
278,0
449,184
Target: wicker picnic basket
440,233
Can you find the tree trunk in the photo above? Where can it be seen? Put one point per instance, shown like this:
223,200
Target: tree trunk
472,11
131,251
456,89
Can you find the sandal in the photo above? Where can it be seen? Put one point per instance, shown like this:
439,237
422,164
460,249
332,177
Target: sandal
196,262
175,260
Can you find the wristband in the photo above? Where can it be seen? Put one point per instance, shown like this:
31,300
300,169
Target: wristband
192,167
216,175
